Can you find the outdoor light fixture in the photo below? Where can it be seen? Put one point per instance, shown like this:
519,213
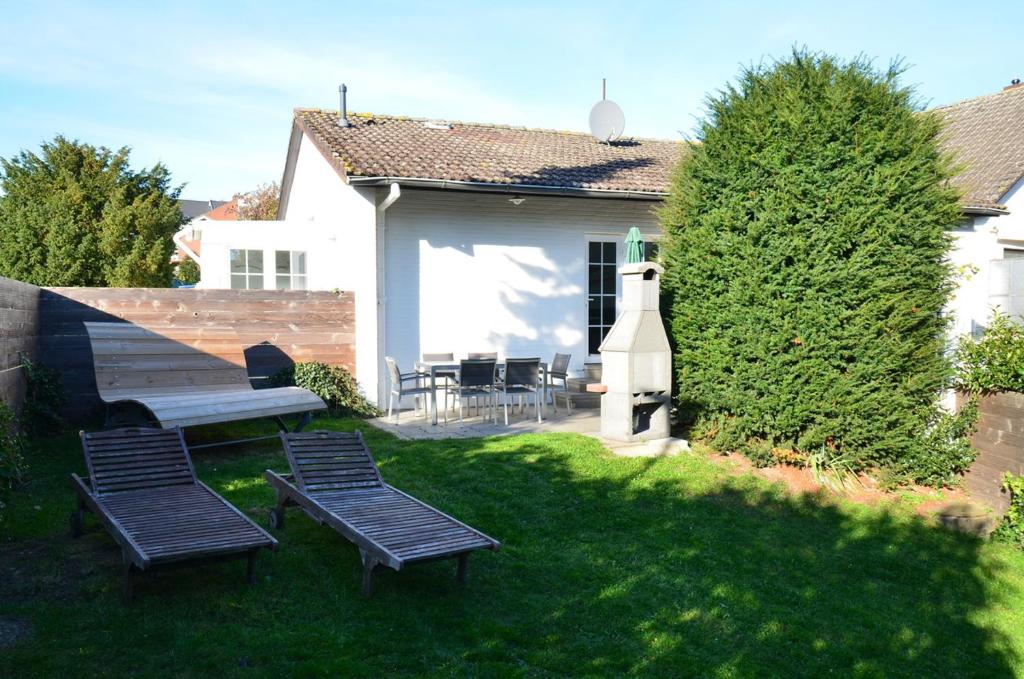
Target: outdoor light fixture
516,200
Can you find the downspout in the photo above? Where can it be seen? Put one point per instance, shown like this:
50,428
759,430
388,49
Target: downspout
394,193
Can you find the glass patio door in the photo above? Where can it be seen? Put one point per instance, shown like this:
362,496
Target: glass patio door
602,289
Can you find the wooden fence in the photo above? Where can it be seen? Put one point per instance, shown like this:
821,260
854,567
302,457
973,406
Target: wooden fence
19,327
277,328
999,439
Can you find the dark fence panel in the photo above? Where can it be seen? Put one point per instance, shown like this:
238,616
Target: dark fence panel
277,328
19,327
1000,443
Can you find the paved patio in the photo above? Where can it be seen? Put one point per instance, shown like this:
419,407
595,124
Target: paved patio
417,426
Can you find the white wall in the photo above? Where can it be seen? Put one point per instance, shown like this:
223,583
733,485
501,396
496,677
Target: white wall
472,272
336,225
980,283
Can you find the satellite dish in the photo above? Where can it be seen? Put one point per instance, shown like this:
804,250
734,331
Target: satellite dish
607,121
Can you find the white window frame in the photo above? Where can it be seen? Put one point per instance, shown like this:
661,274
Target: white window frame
248,275
296,280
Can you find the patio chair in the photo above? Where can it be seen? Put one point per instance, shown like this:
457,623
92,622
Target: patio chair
559,370
143,489
475,380
398,388
336,482
522,377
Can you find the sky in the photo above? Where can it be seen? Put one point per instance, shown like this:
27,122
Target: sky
208,88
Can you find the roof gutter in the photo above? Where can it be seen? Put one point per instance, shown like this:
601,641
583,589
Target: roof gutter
490,187
984,210
177,238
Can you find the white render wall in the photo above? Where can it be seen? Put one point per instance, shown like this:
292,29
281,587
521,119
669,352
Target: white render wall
335,224
466,272
982,283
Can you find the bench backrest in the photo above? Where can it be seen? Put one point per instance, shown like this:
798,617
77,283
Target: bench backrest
134,459
130,358
330,460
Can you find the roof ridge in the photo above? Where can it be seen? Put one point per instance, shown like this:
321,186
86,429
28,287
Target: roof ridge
463,123
980,97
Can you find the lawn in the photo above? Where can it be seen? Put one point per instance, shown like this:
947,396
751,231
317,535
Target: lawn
610,566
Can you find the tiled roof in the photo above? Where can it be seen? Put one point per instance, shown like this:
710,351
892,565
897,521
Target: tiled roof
390,146
986,135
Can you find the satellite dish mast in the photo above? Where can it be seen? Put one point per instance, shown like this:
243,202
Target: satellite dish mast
607,121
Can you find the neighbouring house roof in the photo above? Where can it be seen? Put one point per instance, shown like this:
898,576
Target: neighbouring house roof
986,135
393,147
225,212
194,208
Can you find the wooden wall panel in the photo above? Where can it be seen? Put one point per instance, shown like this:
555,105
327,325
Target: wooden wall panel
999,439
19,328
277,328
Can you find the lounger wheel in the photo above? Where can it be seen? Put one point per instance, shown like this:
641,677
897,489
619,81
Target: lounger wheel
276,518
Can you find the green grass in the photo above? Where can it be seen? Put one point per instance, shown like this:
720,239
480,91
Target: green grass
609,567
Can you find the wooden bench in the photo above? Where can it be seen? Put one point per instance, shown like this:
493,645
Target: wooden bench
143,489
336,482
186,377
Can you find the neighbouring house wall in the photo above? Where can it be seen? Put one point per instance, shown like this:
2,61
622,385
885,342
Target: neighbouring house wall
473,272
276,328
19,328
981,285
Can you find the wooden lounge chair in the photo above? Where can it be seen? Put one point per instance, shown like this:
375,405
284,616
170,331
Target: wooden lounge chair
199,379
335,481
143,489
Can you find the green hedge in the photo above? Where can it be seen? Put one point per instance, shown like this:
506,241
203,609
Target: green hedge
332,383
995,361
806,267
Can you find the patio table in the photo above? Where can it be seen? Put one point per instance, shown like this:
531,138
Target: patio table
437,367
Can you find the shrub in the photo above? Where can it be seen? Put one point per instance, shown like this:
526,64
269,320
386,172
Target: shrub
12,460
332,383
1011,528
187,272
44,397
995,361
805,247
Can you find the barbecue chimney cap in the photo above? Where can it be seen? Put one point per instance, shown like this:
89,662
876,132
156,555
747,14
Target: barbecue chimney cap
643,268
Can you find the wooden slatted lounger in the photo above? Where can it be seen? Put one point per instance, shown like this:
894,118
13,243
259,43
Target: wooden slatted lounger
143,489
186,377
335,481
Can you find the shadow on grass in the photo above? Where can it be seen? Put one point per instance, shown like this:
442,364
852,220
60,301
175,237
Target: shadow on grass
665,567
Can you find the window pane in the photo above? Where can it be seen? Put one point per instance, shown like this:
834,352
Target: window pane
650,251
594,309
607,310
1012,254
256,261
237,281
594,254
298,262
238,261
256,282
595,279
298,282
284,282
595,340
282,262
608,280
609,253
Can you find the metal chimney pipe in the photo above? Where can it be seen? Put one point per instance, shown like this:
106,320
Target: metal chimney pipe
343,118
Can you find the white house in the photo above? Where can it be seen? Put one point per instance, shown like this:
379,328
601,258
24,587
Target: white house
454,237
464,237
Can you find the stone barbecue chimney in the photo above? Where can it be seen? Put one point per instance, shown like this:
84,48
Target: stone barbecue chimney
636,362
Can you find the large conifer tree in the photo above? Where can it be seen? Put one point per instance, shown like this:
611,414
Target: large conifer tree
79,215
806,251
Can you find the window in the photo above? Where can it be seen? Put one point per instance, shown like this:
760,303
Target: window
650,251
290,270
246,269
602,262
1013,253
